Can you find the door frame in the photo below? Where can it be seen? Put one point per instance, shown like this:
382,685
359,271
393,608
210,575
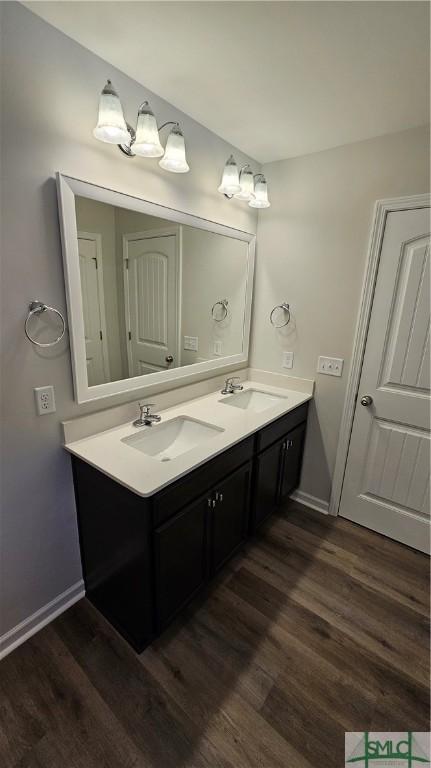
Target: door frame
381,210
96,237
176,231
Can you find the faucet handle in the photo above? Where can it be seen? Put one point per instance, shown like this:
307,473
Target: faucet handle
146,408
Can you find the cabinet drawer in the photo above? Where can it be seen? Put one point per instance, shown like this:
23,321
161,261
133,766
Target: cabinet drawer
169,501
281,427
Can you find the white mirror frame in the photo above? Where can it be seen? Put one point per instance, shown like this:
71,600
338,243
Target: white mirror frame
67,188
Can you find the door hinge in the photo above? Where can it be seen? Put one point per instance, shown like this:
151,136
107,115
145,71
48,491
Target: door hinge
127,263
101,335
130,335
95,260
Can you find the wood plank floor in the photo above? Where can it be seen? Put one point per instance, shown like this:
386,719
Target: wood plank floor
317,628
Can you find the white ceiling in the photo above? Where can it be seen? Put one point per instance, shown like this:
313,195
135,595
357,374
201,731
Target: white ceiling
276,79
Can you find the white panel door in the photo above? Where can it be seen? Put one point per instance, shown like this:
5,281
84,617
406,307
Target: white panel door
92,303
386,485
151,303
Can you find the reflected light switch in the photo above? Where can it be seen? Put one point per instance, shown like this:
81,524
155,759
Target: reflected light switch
191,343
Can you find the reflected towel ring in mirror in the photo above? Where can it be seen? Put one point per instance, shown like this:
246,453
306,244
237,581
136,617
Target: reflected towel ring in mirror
285,307
36,308
222,303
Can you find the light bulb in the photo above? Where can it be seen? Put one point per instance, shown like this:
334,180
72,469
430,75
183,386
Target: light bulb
147,142
260,199
230,180
111,126
174,159
246,182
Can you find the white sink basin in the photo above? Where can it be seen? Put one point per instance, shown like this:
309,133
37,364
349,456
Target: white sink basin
170,439
252,400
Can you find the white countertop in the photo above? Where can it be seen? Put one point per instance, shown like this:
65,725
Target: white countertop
145,475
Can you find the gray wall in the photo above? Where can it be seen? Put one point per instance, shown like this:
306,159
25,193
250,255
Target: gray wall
312,246
50,89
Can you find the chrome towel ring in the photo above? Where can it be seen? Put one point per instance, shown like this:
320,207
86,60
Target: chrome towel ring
36,308
223,303
285,307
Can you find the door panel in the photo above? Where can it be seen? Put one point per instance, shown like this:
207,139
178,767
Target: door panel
91,304
180,558
386,485
292,459
229,516
407,352
267,482
152,303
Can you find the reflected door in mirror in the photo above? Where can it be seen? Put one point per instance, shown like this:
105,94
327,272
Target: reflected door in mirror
151,301
89,246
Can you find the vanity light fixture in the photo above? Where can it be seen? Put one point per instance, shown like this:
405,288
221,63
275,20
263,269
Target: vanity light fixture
111,126
260,197
244,185
145,141
230,180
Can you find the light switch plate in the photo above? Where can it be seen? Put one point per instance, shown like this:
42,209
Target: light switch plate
331,366
287,360
45,400
218,348
191,343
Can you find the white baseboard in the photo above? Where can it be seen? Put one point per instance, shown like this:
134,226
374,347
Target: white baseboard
19,634
311,501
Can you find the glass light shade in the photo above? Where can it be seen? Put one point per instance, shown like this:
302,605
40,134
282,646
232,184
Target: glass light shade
174,159
111,126
246,182
147,142
260,199
230,180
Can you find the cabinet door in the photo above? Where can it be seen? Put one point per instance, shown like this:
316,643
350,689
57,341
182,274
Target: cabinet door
180,559
229,516
292,459
267,482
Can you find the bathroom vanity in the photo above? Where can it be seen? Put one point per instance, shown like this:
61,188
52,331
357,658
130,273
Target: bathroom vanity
161,508
154,528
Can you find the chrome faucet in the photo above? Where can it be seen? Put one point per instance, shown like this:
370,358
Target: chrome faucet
230,388
146,419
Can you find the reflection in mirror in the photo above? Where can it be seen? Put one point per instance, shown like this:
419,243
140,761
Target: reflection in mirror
156,295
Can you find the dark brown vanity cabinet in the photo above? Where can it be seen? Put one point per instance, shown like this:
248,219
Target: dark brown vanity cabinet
144,558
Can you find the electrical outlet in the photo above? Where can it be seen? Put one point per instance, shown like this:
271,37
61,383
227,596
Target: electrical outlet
287,360
218,348
332,366
45,400
191,343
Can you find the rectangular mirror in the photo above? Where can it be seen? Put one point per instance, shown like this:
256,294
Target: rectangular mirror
153,294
